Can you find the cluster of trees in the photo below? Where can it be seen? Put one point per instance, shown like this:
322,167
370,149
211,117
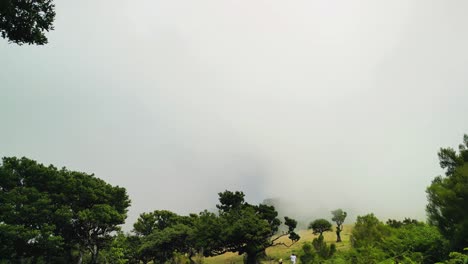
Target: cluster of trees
372,241
50,215
318,251
237,227
444,239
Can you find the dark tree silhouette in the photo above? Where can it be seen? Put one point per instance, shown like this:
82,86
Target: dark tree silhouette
26,21
338,217
448,196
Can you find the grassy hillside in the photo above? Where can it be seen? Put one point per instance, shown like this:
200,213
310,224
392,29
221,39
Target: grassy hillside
283,252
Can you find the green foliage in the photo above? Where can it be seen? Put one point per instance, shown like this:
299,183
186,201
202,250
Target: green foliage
46,213
160,245
26,21
118,250
239,227
339,217
338,258
131,246
207,234
407,241
246,228
418,242
397,224
366,255
157,220
230,201
161,233
457,258
308,254
319,226
368,231
448,196
322,249
291,225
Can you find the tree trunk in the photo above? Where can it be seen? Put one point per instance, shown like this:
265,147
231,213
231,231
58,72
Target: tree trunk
252,258
338,235
80,258
190,256
94,255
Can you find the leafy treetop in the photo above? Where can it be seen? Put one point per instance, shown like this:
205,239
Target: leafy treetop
319,226
26,21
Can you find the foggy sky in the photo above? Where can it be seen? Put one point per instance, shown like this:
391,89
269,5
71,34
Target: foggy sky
324,104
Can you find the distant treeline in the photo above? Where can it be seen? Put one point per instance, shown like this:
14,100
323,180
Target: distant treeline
50,215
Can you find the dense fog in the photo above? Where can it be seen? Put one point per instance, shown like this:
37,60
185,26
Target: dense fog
319,104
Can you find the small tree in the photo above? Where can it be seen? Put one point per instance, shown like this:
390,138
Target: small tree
308,256
322,249
319,226
338,217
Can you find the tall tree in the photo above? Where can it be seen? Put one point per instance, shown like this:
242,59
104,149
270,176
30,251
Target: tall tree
29,215
98,209
26,21
61,209
248,229
448,196
338,217
207,237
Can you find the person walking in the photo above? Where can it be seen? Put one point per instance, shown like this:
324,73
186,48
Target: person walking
293,258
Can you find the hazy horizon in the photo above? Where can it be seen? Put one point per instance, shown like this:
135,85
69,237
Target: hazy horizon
323,104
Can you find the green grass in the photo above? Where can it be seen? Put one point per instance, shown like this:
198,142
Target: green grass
275,253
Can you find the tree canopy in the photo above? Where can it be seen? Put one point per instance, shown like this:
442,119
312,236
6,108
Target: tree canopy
319,226
238,227
367,231
249,229
338,217
162,232
49,214
25,21
448,196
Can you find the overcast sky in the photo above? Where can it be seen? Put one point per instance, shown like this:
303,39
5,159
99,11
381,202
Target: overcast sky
325,104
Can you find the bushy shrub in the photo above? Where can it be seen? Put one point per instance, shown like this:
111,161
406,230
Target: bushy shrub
308,255
420,242
368,231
